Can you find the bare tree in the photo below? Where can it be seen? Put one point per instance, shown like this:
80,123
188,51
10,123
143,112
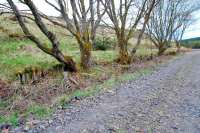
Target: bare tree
178,34
186,19
82,18
126,16
167,19
70,65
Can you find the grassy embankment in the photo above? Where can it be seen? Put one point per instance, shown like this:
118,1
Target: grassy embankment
16,54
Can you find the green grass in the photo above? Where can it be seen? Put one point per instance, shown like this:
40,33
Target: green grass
15,57
11,119
142,52
106,56
3,104
39,111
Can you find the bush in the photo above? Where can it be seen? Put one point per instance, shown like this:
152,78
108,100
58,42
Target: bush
104,43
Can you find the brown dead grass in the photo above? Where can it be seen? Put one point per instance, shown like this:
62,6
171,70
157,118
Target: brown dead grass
5,90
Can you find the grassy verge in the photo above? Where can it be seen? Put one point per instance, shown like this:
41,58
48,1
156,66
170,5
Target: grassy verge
42,111
37,111
106,85
15,55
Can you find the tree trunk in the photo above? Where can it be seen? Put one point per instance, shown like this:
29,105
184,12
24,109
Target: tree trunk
178,45
86,55
161,50
123,57
70,65
133,54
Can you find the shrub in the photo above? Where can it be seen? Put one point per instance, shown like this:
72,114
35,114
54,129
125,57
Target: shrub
104,43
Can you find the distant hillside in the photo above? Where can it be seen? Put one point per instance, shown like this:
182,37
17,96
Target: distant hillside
191,43
191,39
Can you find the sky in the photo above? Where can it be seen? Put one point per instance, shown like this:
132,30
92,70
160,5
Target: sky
191,32
194,29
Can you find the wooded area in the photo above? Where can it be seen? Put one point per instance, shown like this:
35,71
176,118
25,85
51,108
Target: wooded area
161,20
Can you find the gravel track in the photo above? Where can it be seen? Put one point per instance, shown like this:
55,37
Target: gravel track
167,101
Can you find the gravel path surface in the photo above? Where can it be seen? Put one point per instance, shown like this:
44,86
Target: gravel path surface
167,101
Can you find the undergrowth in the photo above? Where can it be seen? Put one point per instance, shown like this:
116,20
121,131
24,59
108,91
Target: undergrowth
106,85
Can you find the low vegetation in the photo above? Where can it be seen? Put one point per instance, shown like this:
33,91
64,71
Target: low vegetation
104,43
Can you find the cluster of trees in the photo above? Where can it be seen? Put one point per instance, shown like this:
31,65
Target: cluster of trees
163,21
169,21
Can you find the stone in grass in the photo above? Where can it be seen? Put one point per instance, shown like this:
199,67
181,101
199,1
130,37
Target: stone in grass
5,128
31,124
